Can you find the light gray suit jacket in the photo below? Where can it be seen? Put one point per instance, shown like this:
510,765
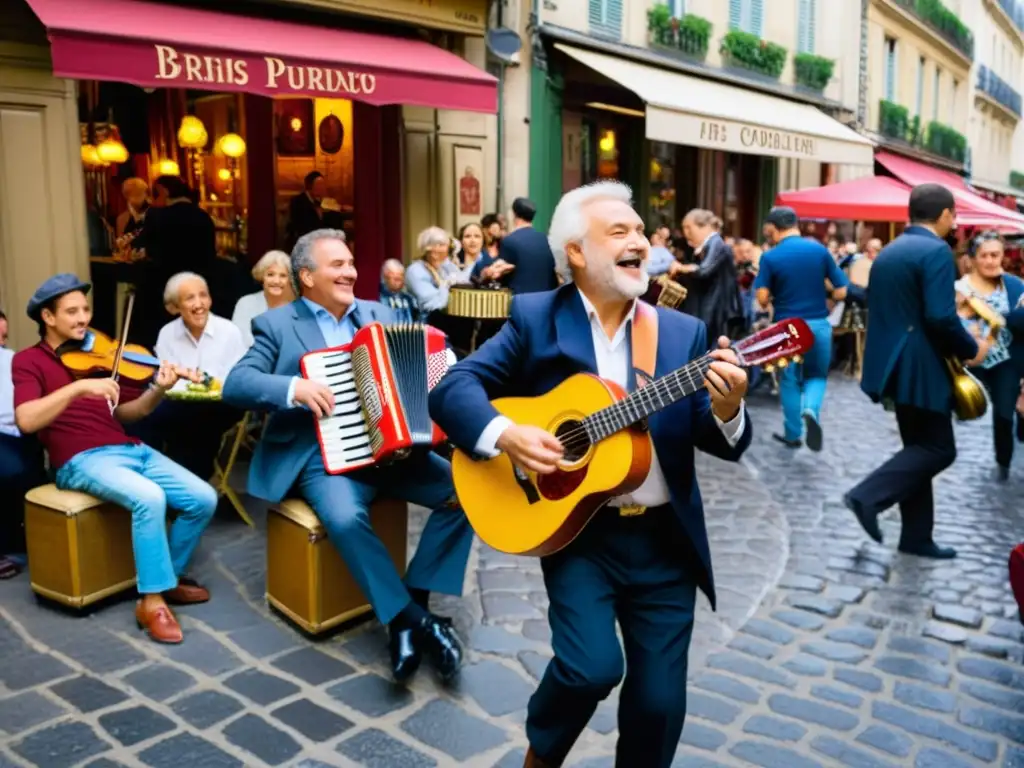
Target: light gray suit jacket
260,382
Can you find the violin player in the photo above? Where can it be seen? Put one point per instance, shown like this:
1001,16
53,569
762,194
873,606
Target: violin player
79,422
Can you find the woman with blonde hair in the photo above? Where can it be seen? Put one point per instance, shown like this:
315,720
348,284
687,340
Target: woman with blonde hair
273,271
430,277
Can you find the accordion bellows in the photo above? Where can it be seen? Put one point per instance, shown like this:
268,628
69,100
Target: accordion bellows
380,382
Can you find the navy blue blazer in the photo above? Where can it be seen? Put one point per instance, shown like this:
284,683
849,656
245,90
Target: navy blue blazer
547,339
529,250
1015,320
912,323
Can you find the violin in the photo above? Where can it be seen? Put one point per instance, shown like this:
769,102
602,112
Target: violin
97,353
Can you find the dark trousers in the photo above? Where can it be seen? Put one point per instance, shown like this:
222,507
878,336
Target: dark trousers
21,469
188,432
1003,384
631,570
906,479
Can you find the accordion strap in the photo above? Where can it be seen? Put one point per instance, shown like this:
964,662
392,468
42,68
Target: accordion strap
644,341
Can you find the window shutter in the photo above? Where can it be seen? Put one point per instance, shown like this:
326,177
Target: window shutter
678,8
756,18
735,14
606,18
890,70
805,26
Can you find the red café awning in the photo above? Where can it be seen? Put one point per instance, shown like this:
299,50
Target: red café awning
156,46
872,198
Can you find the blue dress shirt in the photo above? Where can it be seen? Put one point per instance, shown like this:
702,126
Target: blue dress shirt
336,332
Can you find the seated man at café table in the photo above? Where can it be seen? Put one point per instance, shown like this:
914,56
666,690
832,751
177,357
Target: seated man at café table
202,341
289,457
393,294
79,424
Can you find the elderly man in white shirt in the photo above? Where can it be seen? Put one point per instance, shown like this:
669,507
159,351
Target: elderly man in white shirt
199,340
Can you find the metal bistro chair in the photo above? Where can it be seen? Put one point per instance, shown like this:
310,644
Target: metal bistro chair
239,436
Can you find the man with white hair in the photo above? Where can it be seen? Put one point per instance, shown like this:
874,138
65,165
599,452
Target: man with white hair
641,558
392,292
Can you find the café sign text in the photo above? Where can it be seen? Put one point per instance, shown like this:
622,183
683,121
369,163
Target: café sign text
756,138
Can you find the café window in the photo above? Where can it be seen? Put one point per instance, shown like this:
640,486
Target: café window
662,202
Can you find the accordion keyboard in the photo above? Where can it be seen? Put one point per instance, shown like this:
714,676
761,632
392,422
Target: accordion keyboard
344,434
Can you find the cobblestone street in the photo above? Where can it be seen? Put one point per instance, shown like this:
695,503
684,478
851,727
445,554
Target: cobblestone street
827,650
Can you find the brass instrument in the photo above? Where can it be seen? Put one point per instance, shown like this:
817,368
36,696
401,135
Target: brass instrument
992,319
672,293
970,400
479,303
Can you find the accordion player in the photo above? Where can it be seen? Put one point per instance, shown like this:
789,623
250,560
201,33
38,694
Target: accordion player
380,383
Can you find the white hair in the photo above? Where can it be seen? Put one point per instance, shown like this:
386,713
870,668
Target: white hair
430,237
569,224
391,264
172,290
271,259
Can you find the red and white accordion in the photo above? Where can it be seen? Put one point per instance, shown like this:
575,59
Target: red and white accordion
380,383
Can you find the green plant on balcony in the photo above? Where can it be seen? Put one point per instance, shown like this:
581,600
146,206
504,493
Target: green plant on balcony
936,15
893,120
689,35
814,72
1017,180
751,52
946,141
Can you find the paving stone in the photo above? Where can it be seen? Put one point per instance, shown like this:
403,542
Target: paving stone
768,630
727,686
805,665
311,720
203,653
264,639
887,740
694,761
369,646
937,758
371,694
914,695
261,687
999,697
904,666
226,615
496,688
915,646
753,647
871,620
1001,724
312,666
509,580
130,726
103,762
375,749
538,630
443,726
866,681
710,708
770,755
159,681
206,708
1014,757
61,745
846,754
993,646
812,712
845,593
933,728
958,614
605,719
947,633
258,737
186,749
26,710
856,565
860,636
499,641
512,759
697,735
773,728
1010,630
992,671
745,667
87,694
534,663
835,651
503,608
799,619
828,693
801,582
31,669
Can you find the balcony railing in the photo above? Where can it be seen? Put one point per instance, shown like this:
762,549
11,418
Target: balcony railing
943,21
1000,90
1015,10
894,121
689,35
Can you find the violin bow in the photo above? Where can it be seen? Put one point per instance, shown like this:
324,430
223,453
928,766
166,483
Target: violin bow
115,370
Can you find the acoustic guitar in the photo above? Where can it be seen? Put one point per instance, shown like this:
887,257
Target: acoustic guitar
607,448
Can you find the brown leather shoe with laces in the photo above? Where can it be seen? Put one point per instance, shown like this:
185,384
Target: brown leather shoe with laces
188,592
158,621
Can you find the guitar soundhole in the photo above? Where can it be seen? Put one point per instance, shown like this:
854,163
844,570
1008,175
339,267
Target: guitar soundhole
574,440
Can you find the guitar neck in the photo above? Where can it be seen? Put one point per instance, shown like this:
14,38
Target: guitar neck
641,403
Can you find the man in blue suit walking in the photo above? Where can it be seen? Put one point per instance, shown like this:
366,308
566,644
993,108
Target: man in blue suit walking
640,559
288,455
912,328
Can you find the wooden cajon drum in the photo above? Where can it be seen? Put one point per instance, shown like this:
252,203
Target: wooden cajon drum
307,580
79,548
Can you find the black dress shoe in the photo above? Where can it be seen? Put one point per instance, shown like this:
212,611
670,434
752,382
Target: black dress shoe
812,432
1002,474
442,645
406,654
927,549
786,441
868,520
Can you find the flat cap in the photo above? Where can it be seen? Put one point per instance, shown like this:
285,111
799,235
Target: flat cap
54,288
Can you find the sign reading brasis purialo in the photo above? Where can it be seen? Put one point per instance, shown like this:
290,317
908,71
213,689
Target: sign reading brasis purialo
273,74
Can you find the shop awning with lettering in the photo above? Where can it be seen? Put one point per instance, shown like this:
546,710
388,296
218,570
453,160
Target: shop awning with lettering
703,113
163,45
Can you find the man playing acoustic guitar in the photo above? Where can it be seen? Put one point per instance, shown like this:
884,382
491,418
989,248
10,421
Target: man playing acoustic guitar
641,558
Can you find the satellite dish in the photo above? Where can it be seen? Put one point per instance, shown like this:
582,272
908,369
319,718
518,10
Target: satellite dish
504,44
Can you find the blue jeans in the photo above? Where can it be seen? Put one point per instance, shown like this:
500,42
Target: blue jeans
802,387
146,482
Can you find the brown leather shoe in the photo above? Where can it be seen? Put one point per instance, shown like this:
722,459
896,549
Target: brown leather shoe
532,761
187,592
158,621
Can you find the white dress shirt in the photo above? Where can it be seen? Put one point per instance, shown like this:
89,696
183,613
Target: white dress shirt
246,308
613,363
215,352
7,425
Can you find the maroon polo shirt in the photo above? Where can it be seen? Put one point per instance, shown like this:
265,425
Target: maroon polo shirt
86,423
